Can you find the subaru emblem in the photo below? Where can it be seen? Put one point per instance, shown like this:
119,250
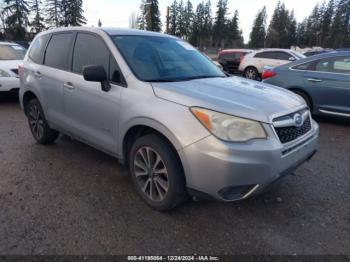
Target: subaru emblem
298,120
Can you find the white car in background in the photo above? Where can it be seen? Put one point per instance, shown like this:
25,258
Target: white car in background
253,64
11,55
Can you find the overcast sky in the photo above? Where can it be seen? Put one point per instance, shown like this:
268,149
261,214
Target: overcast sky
116,12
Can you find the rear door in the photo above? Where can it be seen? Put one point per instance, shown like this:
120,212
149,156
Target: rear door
52,75
328,81
92,114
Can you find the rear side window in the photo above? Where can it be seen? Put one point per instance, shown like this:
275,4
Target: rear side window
58,51
36,53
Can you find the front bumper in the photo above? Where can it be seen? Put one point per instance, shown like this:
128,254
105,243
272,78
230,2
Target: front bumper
9,83
234,171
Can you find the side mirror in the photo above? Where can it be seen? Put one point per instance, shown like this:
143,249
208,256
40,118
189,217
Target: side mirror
291,58
96,73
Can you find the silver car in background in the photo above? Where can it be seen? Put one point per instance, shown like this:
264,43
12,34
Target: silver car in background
162,108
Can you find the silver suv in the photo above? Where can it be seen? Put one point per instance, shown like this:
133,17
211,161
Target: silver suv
154,102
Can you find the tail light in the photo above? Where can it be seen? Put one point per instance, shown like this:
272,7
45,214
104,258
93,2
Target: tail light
267,73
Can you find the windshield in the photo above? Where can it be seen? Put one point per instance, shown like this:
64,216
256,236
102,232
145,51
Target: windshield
164,59
12,52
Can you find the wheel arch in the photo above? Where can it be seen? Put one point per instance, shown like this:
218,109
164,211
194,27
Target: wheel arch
303,91
140,127
27,96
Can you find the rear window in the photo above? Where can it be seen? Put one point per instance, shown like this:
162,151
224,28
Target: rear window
58,50
36,52
12,52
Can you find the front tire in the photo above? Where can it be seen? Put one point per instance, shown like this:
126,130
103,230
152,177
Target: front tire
157,172
38,125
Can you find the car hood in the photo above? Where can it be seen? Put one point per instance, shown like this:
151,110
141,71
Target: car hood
232,95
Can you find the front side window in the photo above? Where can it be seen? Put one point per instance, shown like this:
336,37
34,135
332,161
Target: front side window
265,55
163,59
36,52
57,52
339,65
91,50
12,52
282,56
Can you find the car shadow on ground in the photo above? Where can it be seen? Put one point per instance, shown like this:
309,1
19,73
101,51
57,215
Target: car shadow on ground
9,97
333,120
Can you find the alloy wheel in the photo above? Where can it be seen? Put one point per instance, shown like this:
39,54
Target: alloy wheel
251,74
36,121
151,173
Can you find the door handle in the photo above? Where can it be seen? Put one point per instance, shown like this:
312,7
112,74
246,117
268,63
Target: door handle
314,80
37,74
68,85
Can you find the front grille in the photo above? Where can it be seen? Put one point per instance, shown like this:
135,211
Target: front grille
290,133
15,71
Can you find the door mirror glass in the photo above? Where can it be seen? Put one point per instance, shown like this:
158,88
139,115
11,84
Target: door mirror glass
95,73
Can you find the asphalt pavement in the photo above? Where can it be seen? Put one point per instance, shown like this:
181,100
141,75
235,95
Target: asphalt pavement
68,198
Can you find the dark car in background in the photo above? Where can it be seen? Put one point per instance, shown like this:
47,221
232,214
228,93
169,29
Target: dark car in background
230,59
323,81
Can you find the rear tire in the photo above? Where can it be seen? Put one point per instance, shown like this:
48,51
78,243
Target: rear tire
38,124
251,73
157,173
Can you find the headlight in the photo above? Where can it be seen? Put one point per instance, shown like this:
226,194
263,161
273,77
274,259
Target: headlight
4,74
227,127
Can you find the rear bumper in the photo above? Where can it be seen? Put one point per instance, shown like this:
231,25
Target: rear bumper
232,171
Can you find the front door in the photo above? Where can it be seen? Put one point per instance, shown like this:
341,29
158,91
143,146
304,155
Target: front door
93,114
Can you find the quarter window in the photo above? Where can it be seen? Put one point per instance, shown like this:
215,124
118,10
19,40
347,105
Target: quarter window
57,53
36,52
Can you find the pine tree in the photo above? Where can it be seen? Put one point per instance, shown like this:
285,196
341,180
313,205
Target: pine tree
234,34
53,13
313,29
181,29
16,21
152,16
278,31
37,23
173,18
188,19
141,20
301,32
326,24
73,13
196,37
220,23
292,30
258,34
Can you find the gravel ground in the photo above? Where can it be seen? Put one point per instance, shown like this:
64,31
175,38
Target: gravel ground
69,198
